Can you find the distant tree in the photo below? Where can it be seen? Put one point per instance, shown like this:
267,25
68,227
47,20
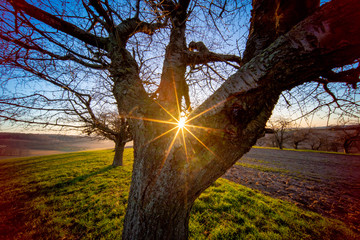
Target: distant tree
299,136
290,43
280,129
120,135
316,140
350,138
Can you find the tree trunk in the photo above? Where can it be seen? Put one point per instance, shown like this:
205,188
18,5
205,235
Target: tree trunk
119,152
169,173
164,216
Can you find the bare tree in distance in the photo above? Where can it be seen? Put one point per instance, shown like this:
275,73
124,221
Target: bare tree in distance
348,136
120,135
176,159
280,129
64,106
299,136
351,139
316,141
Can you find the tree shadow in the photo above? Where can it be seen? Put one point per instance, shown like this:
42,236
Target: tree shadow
16,213
80,178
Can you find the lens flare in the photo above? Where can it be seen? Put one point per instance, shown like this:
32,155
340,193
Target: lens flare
181,122
182,125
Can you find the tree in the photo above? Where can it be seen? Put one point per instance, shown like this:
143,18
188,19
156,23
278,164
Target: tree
280,128
74,97
316,139
298,136
120,136
350,137
175,160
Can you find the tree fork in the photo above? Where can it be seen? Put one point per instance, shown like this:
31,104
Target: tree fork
284,64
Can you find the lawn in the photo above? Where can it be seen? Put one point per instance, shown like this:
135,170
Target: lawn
80,196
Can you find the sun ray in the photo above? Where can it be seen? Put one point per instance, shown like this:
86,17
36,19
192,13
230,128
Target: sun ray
205,128
150,119
169,149
187,168
163,134
183,136
201,142
180,123
176,97
205,111
167,111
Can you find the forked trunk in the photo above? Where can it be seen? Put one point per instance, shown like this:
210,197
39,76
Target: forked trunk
169,173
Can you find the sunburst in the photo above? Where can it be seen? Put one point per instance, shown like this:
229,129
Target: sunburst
182,124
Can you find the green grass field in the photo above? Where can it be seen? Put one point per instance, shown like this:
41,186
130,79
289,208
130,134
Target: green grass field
80,196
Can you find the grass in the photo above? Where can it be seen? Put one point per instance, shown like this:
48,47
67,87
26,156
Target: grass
80,196
262,168
307,150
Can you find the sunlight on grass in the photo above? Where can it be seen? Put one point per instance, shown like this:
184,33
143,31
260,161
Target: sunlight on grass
81,196
261,168
230,211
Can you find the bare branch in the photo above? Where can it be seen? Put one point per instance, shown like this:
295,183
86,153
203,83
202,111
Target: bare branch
350,76
109,23
203,55
59,24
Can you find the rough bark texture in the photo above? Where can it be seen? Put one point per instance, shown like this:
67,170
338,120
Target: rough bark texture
173,87
271,19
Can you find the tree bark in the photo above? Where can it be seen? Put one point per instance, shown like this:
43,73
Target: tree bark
271,19
119,152
173,87
168,177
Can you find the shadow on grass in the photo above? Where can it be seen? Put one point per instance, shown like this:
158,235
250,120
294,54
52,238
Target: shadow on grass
32,161
19,210
80,178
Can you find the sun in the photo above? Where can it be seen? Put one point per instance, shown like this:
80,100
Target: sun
182,128
181,122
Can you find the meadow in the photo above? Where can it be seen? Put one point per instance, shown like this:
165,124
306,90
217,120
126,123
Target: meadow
81,196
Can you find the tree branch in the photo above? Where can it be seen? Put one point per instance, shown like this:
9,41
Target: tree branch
43,51
129,27
202,55
109,23
59,24
350,76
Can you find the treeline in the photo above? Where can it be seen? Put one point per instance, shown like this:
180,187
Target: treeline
335,139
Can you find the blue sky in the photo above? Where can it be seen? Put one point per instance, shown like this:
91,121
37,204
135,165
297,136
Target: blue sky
283,110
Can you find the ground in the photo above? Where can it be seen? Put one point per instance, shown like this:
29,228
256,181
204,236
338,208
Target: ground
322,182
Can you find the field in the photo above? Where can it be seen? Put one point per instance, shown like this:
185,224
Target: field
326,183
25,145
80,196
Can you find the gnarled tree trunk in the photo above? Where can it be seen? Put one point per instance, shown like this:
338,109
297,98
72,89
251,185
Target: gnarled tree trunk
170,172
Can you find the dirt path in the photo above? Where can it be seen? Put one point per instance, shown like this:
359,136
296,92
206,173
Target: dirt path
325,183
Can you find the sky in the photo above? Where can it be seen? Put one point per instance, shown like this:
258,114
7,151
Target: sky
282,110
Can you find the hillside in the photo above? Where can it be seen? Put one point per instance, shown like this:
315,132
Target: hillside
81,196
23,145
